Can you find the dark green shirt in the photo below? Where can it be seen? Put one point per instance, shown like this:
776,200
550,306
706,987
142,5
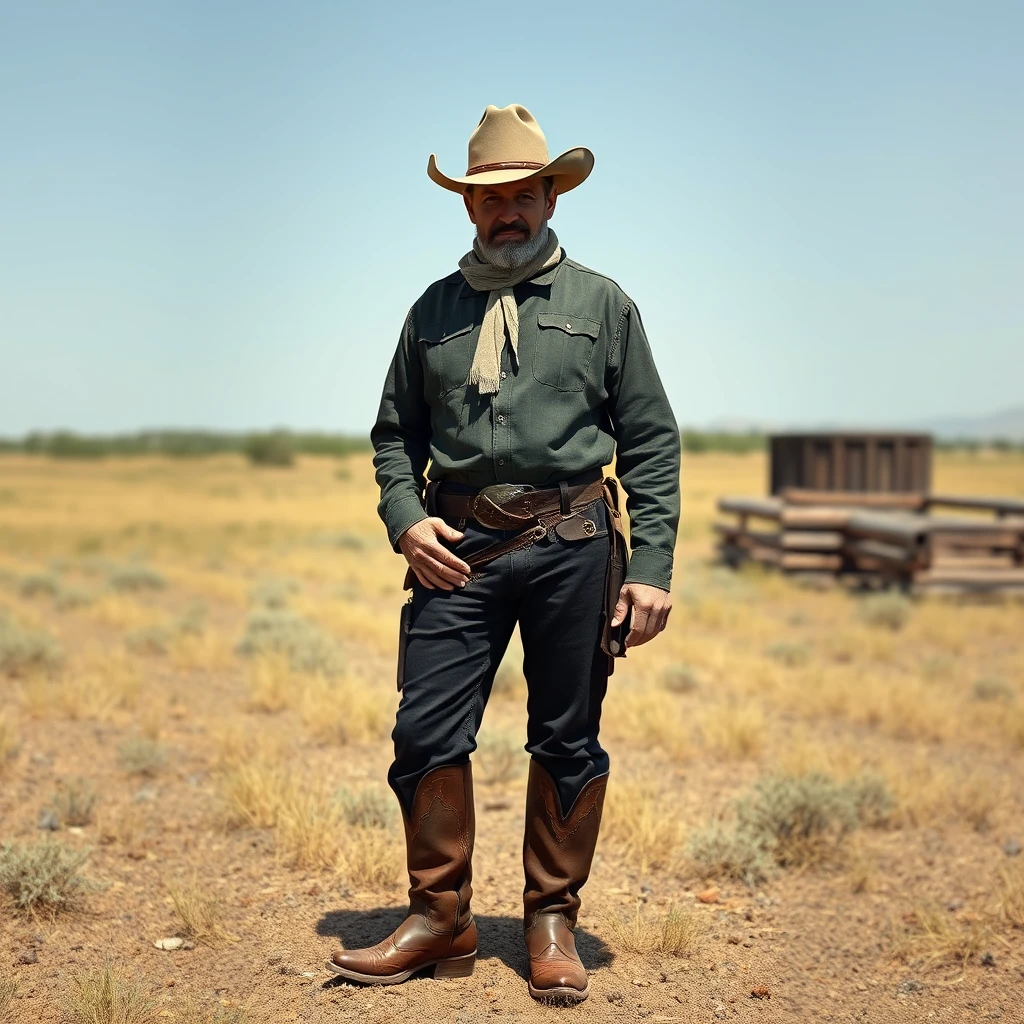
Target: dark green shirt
583,388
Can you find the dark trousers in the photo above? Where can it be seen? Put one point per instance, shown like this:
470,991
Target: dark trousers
554,590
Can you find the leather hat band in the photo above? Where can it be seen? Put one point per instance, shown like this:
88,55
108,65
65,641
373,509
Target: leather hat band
508,165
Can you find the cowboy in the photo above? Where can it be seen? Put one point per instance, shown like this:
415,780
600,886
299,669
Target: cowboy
517,378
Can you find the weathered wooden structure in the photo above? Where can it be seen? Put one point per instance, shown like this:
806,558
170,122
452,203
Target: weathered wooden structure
858,506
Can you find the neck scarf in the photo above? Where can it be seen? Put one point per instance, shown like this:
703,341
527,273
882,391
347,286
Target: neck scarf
501,314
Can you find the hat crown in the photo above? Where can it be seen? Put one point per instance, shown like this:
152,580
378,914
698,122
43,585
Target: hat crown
507,136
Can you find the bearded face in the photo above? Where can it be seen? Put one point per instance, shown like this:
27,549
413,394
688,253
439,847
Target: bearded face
511,220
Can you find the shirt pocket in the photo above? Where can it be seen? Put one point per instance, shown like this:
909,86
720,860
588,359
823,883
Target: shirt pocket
447,351
564,350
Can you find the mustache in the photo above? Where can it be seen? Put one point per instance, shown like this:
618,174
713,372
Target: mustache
517,225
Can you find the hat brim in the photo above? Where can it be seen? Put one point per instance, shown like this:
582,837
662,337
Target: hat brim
570,169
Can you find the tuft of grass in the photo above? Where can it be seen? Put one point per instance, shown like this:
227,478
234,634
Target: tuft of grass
271,686
371,857
135,578
887,610
645,829
678,932
148,640
200,915
994,690
140,755
308,647
192,1012
726,851
501,757
74,803
345,710
10,744
930,934
681,679
69,598
23,651
975,799
107,997
788,654
8,990
370,807
653,718
192,621
735,731
43,876
1010,894
273,593
39,583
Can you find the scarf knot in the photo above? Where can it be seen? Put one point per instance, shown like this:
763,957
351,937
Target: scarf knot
501,315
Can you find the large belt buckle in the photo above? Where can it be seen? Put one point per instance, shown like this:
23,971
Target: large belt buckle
487,506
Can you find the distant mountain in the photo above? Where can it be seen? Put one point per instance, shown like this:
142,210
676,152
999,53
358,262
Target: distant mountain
1008,424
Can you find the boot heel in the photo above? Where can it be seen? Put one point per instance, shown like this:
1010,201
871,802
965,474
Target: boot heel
456,967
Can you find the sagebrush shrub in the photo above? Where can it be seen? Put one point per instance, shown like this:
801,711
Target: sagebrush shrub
43,875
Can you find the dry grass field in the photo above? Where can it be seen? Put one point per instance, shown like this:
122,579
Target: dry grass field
815,812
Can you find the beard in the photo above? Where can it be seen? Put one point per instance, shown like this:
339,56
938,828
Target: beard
513,255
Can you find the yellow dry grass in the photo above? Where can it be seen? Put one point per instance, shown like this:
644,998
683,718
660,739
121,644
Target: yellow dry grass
676,931
643,825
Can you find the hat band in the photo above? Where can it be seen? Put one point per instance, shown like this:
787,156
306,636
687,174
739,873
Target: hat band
508,165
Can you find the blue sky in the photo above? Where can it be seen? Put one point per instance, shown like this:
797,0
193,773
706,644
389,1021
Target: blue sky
217,214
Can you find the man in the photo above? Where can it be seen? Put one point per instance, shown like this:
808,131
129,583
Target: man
517,377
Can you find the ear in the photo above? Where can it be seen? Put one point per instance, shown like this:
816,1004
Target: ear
467,198
550,201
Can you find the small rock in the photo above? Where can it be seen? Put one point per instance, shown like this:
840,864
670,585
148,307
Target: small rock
28,956
48,820
734,940
309,974
954,905
909,985
721,1012
708,896
640,983
646,890
38,939
169,982
171,943
1012,847
987,959
614,997
146,795
761,992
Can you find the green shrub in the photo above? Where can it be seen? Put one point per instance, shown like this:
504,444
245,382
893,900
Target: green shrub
994,690
140,755
36,583
273,593
273,449
308,647
43,876
728,851
135,578
69,598
74,803
371,807
681,679
22,650
888,610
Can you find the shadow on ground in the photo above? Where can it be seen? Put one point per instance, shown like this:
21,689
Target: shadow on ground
499,937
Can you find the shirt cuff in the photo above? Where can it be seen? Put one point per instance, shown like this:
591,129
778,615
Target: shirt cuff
401,514
652,566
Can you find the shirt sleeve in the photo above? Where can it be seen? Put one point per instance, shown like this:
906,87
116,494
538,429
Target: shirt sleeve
647,452
401,439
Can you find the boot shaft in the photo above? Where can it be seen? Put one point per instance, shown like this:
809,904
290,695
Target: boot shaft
558,851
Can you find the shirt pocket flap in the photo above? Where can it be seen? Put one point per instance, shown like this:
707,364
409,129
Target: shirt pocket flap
438,334
570,324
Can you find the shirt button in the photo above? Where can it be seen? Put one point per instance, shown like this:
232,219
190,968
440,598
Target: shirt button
501,419
503,374
568,327
501,462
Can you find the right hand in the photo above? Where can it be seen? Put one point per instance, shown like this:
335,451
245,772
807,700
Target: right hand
435,566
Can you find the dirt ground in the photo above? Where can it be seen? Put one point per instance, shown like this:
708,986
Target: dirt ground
224,688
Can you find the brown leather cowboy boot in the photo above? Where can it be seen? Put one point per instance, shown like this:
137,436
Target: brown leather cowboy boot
439,930
557,853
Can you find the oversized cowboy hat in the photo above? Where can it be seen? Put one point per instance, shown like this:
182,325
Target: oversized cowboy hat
508,145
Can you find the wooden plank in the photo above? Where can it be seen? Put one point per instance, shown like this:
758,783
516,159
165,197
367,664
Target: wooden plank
858,499
880,551
763,508
894,528
1007,577
806,560
992,532
1006,506
815,518
941,562
812,540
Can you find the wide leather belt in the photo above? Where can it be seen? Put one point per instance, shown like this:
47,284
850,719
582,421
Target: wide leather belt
517,506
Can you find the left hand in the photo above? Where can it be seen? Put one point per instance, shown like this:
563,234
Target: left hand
651,606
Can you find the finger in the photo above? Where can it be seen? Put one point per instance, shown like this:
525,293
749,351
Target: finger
639,626
448,532
445,557
446,572
423,579
434,578
621,608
